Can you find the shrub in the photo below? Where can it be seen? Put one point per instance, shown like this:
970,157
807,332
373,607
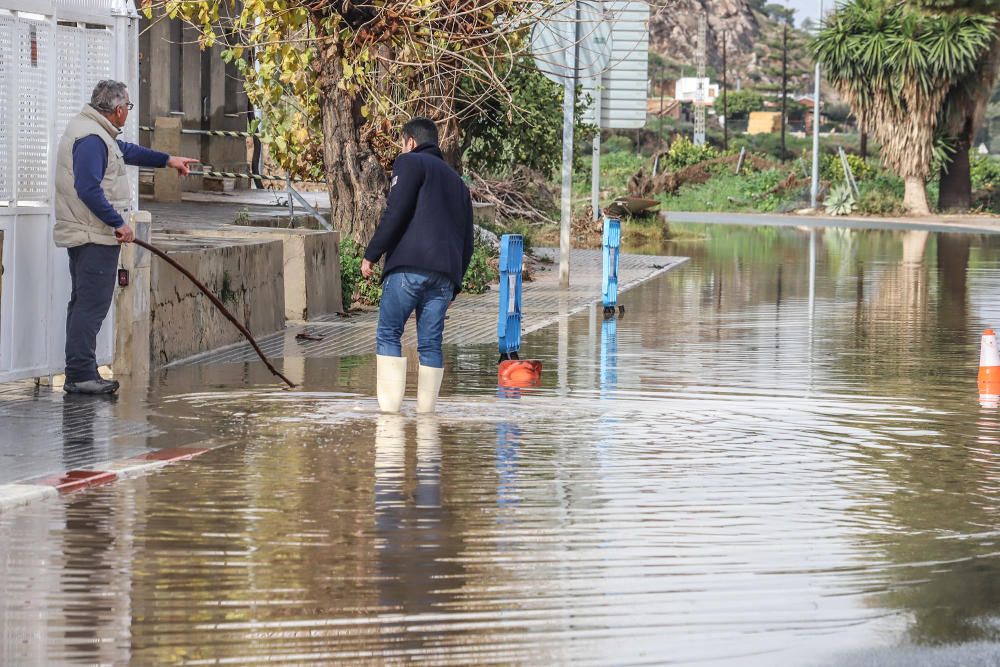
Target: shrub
831,168
882,194
985,172
518,226
684,153
354,286
740,103
482,268
760,188
368,291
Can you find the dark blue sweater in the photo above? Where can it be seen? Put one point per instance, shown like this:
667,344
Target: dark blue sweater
427,223
90,161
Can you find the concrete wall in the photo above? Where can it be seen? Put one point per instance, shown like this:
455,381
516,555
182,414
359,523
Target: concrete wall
310,261
203,97
248,278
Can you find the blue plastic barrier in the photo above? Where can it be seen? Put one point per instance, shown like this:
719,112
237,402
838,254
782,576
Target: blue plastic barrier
509,320
612,246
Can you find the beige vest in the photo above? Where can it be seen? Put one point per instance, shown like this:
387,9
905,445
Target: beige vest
75,223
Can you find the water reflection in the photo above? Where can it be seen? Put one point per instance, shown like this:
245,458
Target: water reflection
508,440
777,458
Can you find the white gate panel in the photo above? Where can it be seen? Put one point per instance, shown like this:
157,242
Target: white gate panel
33,45
6,100
51,56
31,235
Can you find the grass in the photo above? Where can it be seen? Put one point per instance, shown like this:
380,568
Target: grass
729,192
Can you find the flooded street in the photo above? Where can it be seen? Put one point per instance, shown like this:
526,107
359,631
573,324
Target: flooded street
768,461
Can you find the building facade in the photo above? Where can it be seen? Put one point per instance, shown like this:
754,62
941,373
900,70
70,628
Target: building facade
177,78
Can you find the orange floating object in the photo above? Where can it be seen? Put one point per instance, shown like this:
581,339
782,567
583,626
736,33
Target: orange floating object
519,373
989,365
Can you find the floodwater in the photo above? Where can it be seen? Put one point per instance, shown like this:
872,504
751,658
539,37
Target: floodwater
777,457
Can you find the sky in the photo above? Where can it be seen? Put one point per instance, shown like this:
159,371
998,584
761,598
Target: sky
810,8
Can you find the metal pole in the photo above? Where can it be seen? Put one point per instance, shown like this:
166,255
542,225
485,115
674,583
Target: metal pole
569,102
814,189
595,169
784,85
812,274
660,132
725,98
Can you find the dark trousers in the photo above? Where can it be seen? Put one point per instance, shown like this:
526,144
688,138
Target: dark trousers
93,269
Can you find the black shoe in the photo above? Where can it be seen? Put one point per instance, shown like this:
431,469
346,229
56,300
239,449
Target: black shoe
98,386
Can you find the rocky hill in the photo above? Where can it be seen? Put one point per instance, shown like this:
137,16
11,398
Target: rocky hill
753,38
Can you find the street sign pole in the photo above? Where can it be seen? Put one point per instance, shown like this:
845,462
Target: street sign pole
569,104
595,170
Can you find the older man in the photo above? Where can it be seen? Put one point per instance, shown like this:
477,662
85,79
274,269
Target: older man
92,195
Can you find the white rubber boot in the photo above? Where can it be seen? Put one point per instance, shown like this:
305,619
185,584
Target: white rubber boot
390,382
428,386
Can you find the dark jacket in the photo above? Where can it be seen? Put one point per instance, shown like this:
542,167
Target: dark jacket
427,222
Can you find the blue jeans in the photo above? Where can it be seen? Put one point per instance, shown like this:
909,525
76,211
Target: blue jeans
404,291
93,269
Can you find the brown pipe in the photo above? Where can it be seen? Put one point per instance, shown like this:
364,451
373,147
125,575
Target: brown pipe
218,304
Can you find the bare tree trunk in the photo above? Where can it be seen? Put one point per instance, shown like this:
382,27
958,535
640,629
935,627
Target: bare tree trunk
956,178
450,143
915,196
966,109
355,179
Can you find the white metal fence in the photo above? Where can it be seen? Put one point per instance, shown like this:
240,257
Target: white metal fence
52,52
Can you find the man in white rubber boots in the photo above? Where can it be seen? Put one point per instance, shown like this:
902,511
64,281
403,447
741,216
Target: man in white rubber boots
426,237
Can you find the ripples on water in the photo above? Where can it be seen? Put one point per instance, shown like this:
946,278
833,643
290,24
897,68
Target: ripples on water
725,476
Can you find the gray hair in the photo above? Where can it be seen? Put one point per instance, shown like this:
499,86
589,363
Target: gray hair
108,95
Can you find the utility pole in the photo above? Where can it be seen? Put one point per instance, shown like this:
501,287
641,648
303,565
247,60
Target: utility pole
725,97
814,189
569,106
660,141
784,84
699,105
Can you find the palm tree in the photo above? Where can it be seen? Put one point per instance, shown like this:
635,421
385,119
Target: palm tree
895,65
965,107
964,113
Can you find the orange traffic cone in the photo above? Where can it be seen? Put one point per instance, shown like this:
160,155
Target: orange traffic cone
989,366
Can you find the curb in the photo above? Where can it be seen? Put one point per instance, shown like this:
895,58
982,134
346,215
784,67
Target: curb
19,494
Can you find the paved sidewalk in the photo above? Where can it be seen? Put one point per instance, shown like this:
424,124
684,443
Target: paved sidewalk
472,319
200,208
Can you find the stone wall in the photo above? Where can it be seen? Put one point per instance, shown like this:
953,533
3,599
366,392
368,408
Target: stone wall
247,277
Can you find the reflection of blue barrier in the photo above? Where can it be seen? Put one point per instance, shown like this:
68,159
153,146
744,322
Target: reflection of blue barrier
609,357
612,245
509,321
508,444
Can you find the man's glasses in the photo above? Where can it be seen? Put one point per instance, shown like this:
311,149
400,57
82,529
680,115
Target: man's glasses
128,105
